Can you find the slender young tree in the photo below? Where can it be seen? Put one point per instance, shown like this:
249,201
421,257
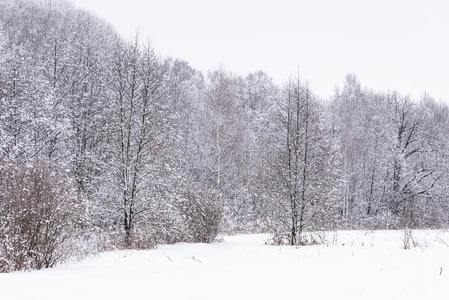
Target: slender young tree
307,165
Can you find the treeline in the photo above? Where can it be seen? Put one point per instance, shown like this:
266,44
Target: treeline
105,144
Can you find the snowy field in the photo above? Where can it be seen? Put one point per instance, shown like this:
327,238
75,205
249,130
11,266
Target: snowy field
349,265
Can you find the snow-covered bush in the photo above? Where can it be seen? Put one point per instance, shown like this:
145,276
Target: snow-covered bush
202,213
278,239
408,241
37,217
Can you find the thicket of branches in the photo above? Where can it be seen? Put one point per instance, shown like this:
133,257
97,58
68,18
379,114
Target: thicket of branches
102,139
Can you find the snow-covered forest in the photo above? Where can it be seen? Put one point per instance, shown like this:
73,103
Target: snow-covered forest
106,144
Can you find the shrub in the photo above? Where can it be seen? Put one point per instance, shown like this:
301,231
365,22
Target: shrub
408,241
202,213
36,217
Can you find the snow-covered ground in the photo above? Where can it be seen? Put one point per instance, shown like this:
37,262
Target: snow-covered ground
349,265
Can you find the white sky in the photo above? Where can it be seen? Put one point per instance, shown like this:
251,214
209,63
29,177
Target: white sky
388,44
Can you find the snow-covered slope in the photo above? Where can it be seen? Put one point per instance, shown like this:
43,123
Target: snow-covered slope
349,265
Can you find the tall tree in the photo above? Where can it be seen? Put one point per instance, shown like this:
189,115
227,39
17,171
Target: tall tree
306,167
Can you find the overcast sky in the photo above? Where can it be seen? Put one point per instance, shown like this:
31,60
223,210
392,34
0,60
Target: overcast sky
388,44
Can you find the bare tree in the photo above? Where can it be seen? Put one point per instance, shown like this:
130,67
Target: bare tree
306,167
